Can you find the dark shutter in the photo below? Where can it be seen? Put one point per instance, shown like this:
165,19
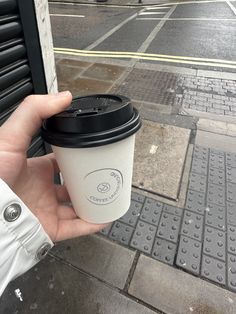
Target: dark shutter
21,66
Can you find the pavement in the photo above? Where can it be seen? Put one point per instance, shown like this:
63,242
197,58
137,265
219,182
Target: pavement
168,254
114,2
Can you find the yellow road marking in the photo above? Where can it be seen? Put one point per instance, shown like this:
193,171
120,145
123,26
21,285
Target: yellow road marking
182,19
143,54
95,4
66,15
221,65
193,2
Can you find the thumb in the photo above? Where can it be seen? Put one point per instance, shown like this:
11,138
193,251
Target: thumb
27,118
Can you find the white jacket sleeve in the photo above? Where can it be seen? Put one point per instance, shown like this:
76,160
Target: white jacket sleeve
23,241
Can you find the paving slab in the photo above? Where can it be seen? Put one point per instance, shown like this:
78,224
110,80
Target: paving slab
215,217
131,217
199,166
217,176
231,234
106,230
195,202
105,72
197,182
214,243
151,211
160,147
53,287
169,227
231,214
231,159
231,192
164,251
216,141
143,237
213,269
173,210
216,194
189,255
232,272
216,161
97,256
85,86
137,197
173,291
192,225
121,232
218,127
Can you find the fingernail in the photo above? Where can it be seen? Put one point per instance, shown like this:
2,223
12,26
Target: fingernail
63,94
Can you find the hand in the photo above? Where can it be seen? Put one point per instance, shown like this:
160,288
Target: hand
32,179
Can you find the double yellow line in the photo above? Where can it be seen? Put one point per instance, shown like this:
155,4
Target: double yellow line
148,56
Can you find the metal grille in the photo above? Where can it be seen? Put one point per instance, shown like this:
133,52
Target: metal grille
16,73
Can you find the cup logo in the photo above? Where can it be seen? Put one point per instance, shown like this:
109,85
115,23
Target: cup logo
103,186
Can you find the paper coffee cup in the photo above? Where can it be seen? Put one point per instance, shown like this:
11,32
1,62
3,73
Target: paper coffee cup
93,142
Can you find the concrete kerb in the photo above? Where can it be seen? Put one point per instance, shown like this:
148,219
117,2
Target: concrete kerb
207,115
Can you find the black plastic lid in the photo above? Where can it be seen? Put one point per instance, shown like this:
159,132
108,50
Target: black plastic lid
93,120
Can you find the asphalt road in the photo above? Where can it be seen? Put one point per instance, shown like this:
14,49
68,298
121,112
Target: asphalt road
197,34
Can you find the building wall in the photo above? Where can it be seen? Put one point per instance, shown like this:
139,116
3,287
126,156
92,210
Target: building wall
45,36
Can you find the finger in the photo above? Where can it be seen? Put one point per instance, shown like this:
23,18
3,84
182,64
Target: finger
28,117
73,228
53,161
66,212
62,193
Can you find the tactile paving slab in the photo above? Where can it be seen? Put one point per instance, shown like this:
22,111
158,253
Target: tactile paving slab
137,197
197,182
132,214
189,255
106,230
143,237
216,161
200,166
173,210
214,243
195,202
151,211
216,194
231,235
164,251
231,192
121,232
231,214
169,227
231,160
192,226
217,176
200,152
215,216
213,269
231,174
232,272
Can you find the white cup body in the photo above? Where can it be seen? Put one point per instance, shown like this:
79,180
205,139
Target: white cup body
98,179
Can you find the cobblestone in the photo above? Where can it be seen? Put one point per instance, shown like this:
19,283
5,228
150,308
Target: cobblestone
216,111
198,108
220,106
209,95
